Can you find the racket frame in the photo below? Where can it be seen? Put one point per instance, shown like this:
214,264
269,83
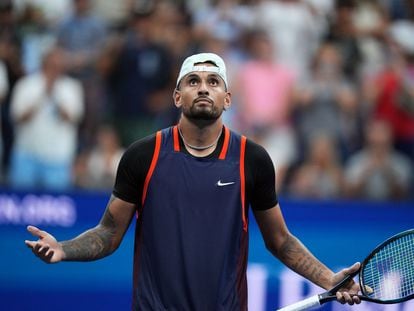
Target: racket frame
330,295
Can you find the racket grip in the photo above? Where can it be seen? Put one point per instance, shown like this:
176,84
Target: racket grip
306,304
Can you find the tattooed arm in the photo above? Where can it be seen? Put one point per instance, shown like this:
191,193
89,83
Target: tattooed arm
288,249
93,244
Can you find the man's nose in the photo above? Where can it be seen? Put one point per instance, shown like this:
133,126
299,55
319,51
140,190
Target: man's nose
203,89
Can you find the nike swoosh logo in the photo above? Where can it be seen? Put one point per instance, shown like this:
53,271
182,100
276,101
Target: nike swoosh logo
221,184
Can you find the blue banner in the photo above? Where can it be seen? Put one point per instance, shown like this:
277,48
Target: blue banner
339,233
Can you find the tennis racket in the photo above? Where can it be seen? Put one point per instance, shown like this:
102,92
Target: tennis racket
386,276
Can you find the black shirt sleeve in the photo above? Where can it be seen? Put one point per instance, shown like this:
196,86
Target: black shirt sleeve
132,170
260,177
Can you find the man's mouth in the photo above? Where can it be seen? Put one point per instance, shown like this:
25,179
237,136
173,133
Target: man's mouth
203,100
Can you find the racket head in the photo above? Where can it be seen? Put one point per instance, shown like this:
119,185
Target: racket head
387,273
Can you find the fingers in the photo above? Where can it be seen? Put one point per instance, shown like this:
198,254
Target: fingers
349,293
345,297
30,244
36,231
41,250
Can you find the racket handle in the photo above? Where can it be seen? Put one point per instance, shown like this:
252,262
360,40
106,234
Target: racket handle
306,304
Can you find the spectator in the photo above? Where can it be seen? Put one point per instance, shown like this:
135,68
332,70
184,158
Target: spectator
378,171
4,85
173,31
114,13
343,35
291,24
264,91
141,74
46,108
36,35
82,36
370,22
320,176
53,11
10,55
229,18
97,169
391,93
350,121
318,101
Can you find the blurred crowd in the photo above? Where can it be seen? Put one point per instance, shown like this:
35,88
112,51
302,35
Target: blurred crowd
326,86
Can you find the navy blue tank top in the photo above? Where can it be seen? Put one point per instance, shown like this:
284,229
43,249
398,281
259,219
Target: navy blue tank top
191,237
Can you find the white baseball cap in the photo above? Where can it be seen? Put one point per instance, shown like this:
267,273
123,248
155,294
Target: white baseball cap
189,65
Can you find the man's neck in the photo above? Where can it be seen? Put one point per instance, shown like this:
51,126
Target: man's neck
200,139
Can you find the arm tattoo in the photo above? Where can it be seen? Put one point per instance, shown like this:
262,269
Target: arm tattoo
299,259
95,243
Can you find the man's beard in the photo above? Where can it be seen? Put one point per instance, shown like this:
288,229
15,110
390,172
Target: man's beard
203,113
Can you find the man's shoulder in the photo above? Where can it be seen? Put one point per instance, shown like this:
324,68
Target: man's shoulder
142,144
255,150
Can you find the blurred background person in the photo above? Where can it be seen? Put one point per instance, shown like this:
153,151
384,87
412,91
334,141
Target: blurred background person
82,36
390,94
114,14
370,22
350,122
320,176
378,171
96,168
140,75
36,24
343,34
174,30
295,29
229,18
4,87
46,108
36,36
53,12
326,101
264,92
10,55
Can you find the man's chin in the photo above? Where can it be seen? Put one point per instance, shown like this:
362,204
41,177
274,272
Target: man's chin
203,115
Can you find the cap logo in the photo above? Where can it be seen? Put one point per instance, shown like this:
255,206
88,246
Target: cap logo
206,68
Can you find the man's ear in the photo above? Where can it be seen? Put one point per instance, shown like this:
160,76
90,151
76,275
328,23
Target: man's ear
227,101
177,98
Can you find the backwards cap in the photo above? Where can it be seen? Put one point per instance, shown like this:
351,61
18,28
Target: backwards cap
189,65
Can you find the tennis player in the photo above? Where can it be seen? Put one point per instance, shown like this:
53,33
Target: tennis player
190,186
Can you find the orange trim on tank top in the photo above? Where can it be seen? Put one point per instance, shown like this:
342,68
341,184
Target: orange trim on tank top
152,166
176,139
225,147
243,182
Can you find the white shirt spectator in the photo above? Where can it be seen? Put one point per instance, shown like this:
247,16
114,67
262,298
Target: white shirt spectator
46,135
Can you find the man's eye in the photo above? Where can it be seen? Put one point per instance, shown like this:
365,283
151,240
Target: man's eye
193,82
214,82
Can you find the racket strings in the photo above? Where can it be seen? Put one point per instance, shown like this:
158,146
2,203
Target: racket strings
389,274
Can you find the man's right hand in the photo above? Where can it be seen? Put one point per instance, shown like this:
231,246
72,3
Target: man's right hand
46,247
